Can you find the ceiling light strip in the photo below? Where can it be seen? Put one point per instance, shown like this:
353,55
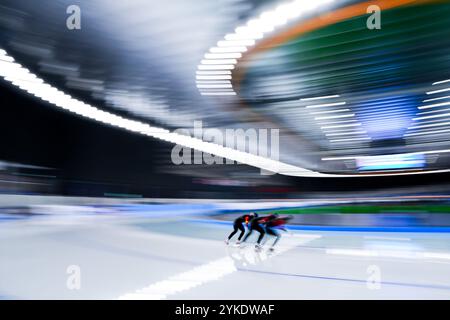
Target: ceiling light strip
224,55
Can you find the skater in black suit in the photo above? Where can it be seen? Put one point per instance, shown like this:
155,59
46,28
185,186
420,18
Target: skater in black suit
256,224
238,225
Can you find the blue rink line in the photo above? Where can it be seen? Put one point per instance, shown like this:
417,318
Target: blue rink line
344,228
9,217
306,276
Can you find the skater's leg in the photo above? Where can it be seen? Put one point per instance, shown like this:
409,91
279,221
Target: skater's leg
241,227
276,240
276,234
278,237
271,232
247,235
261,234
233,233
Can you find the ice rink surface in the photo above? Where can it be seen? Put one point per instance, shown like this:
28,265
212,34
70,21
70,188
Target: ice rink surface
117,257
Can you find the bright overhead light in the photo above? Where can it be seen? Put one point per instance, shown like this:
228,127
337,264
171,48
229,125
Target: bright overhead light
350,139
218,93
229,93
48,93
438,91
272,18
426,133
213,82
226,55
346,133
433,111
235,43
387,155
320,98
213,72
58,98
325,123
219,61
245,35
331,111
255,25
326,105
227,49
439,124
441,82
224,77
217,89
434,105
6,59
336,117
443,115
342,126
204,86
216,67
15,73
434,99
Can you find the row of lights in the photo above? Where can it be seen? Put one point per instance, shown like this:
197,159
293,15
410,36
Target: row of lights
213,75
387,155
434,110
21,77
337,122
434,121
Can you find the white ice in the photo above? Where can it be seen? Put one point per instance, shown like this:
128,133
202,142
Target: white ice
139,258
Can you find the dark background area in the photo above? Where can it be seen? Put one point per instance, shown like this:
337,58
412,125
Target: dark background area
32,132
90,159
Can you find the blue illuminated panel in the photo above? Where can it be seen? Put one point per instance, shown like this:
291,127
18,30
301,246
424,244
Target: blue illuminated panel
389,162
388,117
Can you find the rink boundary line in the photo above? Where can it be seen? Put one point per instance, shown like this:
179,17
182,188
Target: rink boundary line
424,286
343,228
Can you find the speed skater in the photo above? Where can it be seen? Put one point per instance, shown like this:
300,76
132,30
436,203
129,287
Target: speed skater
256,224
274,224
237,225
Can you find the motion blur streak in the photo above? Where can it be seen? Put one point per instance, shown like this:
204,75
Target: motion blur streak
245,35
22,78
209,272
117,132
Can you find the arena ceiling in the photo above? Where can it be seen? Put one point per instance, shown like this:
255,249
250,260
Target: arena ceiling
348,101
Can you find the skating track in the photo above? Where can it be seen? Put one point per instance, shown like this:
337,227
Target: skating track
184,258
